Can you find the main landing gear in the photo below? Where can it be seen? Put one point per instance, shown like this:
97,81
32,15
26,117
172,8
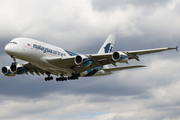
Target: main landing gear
14,59
73,77
49,77
62,78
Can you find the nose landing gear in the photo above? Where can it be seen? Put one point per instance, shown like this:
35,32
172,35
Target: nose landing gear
13,65
14,59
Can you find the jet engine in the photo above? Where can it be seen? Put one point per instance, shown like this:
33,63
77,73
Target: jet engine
120,57
17,69
6,71
82,60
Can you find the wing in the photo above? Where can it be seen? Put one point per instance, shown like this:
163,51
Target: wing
123,68
62,62
30,68
69,62
39,70
104,59
134,54
98,60
101,59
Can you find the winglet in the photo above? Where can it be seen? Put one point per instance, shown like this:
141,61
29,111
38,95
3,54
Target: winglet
177,48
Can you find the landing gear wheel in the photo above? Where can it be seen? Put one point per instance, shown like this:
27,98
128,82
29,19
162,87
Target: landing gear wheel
74,77
48,78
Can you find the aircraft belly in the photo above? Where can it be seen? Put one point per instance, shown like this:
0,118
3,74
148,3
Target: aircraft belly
54,69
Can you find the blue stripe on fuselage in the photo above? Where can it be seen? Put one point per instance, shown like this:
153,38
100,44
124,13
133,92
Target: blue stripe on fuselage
71,53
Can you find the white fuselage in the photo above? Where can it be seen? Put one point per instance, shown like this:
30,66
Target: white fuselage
35,52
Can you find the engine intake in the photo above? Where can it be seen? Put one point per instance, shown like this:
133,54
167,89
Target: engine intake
78,60
17,69
120,57
116,56
13,68
82,60
6,71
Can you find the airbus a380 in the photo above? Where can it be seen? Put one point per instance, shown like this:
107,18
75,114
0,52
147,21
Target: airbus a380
43,58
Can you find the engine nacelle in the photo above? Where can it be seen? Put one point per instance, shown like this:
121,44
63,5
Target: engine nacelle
17,69
98,71
120,57
6,71
82,60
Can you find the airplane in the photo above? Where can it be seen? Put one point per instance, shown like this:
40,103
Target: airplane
43,58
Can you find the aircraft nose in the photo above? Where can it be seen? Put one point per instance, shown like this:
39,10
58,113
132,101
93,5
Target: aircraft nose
9,49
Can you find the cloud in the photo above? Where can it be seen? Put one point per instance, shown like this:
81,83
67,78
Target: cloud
106,5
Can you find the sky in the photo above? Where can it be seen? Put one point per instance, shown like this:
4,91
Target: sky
150,93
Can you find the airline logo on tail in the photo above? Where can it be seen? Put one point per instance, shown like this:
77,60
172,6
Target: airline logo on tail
108,48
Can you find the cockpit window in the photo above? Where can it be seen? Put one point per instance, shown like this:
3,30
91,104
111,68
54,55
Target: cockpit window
13,43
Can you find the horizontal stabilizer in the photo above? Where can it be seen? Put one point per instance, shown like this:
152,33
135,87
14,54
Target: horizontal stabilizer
123,68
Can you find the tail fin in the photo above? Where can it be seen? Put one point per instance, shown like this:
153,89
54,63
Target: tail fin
108,45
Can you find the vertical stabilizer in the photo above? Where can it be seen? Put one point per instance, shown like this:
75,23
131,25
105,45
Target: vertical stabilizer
108,45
